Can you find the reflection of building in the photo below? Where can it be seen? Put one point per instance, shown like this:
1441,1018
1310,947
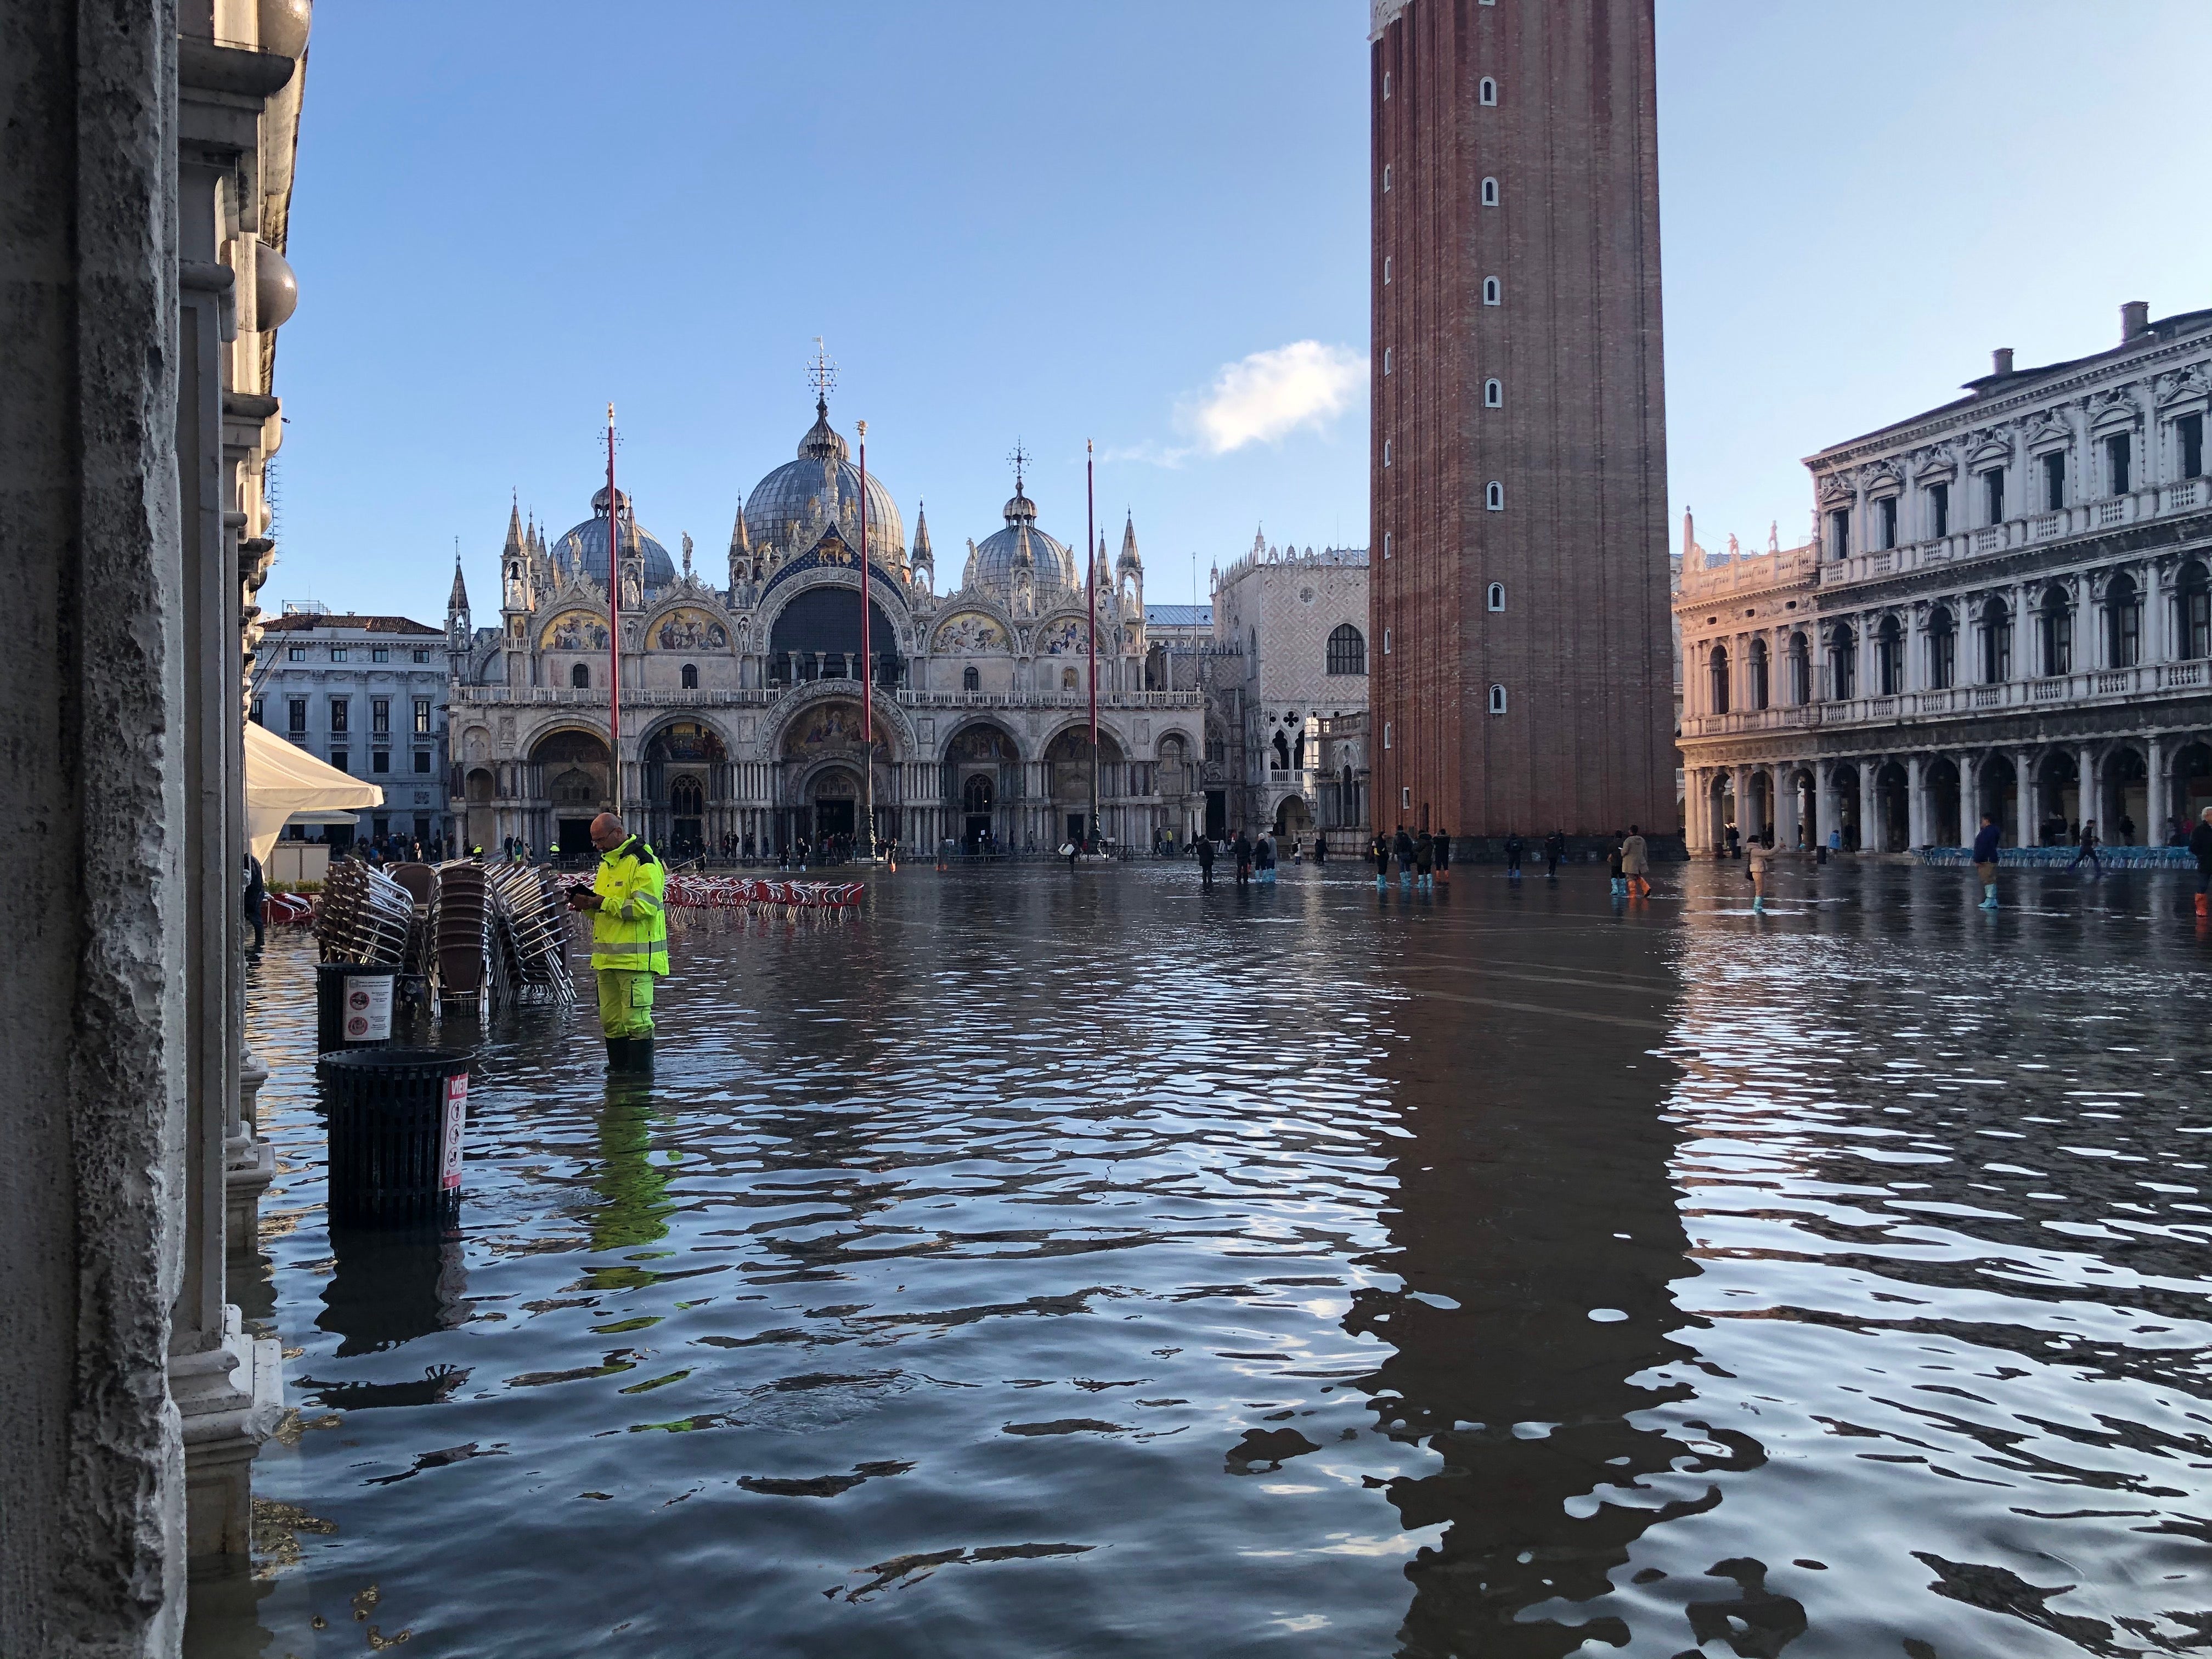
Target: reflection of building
367,694
2007,610
1300,620
1518,466
741,702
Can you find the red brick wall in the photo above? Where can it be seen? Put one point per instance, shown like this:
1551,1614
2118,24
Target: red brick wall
1583,646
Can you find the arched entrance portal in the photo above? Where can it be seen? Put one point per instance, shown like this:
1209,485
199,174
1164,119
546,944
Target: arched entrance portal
982,773
1997,789
1893,826
1293,820
685,772
822,761
1944,826
572,779
1067,765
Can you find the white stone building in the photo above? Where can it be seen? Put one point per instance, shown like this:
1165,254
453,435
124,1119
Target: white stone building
741,721
2005,609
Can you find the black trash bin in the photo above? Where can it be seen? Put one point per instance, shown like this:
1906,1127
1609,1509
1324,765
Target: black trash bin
353,1005
397,1119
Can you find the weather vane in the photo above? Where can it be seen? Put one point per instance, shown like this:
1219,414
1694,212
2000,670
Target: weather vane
1020,458
821,373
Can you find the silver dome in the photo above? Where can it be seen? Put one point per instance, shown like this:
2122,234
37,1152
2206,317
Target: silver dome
589,540
785,498
995,554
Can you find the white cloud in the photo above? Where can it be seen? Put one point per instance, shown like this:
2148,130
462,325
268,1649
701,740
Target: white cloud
1266,397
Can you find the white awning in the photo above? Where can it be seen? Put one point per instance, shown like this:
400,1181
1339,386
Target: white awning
282,780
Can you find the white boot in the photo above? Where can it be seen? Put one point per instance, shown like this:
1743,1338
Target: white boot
1990,896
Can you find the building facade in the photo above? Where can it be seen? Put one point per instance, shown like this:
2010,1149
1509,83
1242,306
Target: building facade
1518,471
368,694
742,724
1291,652
2005,608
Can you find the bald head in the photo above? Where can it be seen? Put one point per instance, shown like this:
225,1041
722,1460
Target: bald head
607,832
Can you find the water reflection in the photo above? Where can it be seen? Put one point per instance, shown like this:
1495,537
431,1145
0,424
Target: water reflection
390,1286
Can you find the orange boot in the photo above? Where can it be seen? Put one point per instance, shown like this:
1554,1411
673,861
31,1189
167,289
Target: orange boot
2202,908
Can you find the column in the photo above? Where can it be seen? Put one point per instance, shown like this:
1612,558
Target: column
1785,805
2023,771
1828,814
2089,807
1915,805
1969,797
2157,799
1870,825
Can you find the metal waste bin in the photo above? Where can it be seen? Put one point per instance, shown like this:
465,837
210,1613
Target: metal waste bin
397,1120
353,1005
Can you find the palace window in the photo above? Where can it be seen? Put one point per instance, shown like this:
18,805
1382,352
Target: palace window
2054,481
2122,623
338,758
1801,671
2188,439
691,677
1997,643
1942,650
1840,532
1486,91
2119,455
1493,394
341,713
423,654
2054,630
337,653
256,716
422,715
1717,669
1889,658
1885,521
1843,664
296,715
297,654
1067,680
1494,496
1347,650
1490,192
1497,597
1993,501
380,715
381,761
423,760
1497,699
971,680
1493,291
2192,608
1755,664
579,676
1939,510
380,654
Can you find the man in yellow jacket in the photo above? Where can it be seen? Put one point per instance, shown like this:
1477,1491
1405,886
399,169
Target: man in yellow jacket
629,940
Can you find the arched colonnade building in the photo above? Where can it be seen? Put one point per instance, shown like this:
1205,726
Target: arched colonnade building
2006,607
741,704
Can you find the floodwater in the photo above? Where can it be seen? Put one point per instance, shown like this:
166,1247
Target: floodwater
1067,1263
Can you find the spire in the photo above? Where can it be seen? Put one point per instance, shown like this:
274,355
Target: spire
1689,536
739,541
1129,561
514,527
457,603
921,553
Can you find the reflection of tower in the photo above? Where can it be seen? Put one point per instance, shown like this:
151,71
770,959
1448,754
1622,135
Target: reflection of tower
634,1194
1512,1200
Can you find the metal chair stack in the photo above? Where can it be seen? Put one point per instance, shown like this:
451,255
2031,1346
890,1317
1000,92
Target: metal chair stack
530,942
460,933
365,916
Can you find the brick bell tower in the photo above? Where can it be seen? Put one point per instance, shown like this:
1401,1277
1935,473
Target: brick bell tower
1522,661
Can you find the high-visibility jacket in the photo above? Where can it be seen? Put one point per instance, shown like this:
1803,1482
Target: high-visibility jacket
630,927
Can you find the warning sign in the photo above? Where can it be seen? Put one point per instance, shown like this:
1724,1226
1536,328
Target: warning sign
455,1128
369,1009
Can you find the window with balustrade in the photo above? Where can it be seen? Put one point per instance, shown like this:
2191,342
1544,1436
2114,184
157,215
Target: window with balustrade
1885,522
1997,643
2122,623
579,676
2192,612
1801,671
1840,532
1889,658
1717,680
2054,480
2055,633
2119,464
1942,650
1938,511
1755,667
1843,664
2189,445
1993,496
971,680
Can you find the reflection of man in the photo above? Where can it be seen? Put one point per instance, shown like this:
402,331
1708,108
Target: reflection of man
629,940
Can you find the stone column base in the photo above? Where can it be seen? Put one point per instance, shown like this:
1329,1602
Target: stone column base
229,1398
248,1167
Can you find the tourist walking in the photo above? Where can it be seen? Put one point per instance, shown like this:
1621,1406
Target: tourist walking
1242,849
1734,841
629,940
2200,846
1379,850
1443,857
2086,848
1555,849
1985,859
1402,845
1636,860
1425,861
1263,857
1757,866
1619,882
256,898
1206,861
1512,856
1321,846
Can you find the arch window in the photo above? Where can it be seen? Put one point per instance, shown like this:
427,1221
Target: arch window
2054,632
2192,604
1493,291
2122,623
1386,641
1386,452
1942,649
1486,91
1386,181
1716,674
1347,650
975,794
971,680
1493,394
1843,663
1386,270
1801,671
1889,657
685,798
1755,671
1386,86
1494,496
1067,680
1282,746
691,677
1497,596
1386,543
1497,699
579,676
1386,360
1490,192
1997,643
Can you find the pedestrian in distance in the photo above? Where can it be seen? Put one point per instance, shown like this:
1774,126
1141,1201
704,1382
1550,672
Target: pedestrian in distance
1263,857
1379,849
1555,849
1242,847
1757,866
1206,861
1635,861
1402,845
2086,848
1425,862
2200,848
1321,848
1985,859
256,898
626,901
1734,841
1619,881
1443,857
1512,856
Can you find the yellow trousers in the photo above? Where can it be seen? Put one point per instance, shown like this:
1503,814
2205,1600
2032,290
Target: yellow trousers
625,1001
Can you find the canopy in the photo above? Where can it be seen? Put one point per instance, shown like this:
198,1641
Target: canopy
282,779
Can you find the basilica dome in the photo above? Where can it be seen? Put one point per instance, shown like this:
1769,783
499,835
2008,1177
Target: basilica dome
588,540
995,553
823,476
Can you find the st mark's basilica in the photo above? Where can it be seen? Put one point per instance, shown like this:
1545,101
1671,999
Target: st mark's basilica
741,700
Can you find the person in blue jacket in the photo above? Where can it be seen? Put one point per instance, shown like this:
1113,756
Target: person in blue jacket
1986,859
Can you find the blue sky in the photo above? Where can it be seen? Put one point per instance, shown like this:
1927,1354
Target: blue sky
1144,224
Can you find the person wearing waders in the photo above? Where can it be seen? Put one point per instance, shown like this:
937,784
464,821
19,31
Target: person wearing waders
1555,849
1206,861
1512,857
1379,850
2200,847
1443,856
1635,859
1758,865
1402,845
1986,859
629,940
1425,861
1619,882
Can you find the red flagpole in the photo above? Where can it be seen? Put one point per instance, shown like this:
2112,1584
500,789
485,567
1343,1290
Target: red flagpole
867,669
614,621
1090,587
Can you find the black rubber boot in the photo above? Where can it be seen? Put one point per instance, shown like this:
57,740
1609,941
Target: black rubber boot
618,1053
641,1055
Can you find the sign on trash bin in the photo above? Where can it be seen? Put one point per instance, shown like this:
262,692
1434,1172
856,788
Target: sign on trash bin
455,1127
368,1008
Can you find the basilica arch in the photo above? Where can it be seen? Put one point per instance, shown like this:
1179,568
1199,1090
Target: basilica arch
685,780
819,752
979,774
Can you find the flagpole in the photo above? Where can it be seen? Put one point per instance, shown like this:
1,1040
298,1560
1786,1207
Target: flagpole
614,622
1090,586
867,670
